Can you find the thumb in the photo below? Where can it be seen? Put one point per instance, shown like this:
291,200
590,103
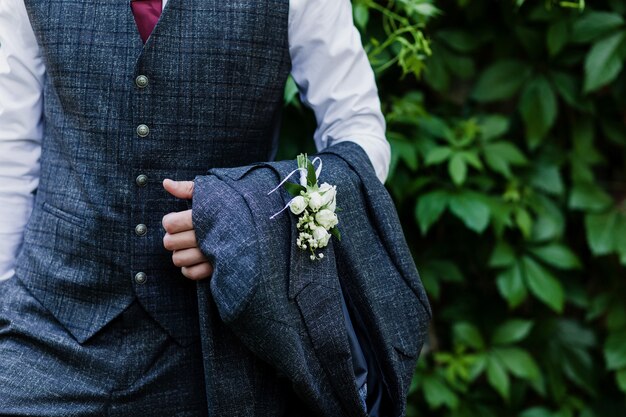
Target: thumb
180,189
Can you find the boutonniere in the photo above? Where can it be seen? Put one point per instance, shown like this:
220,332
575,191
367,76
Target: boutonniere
314,205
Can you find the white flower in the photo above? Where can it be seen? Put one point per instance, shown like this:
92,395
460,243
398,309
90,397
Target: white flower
325,187
326,218
315,201
328,196
297,205
321,236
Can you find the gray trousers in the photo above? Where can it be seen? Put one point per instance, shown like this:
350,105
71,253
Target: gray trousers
130,368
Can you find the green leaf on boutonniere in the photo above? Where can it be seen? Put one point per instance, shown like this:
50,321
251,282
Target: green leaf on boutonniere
294,189
335,232
311,178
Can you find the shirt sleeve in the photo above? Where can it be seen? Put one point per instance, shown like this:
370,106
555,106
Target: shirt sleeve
21,77
335,78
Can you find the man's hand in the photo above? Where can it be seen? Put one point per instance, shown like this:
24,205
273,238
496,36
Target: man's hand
181,238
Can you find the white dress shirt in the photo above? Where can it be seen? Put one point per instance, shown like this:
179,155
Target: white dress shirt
329,66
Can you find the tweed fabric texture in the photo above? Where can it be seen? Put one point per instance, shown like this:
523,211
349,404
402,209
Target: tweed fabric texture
131,367
286,309
216,74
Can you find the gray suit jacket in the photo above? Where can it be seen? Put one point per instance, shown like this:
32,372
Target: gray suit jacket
274,336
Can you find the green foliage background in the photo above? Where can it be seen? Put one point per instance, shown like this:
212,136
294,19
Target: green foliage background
507,121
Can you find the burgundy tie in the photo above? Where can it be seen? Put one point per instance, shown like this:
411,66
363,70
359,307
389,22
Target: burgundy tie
146,14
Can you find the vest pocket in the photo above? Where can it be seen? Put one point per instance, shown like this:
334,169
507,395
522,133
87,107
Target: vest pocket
63,215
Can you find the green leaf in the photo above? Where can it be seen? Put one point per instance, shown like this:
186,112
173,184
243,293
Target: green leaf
503,255
538,106
462,66
511,331
437,74
457,168
404,150
501,80
524,221
615,350
589,196
437,393
543,285
470,208
293,189
497,377
438,155
335,232
614,130
557,255
311,178
567,86
556,37
549,222
594,24
548,178
620,239
508,152
460,40
511,286
429,209
518,362
604,62
291,92
536,412
467,334
471,157
579,366
620,377
361,15
600,232
494,126
436,127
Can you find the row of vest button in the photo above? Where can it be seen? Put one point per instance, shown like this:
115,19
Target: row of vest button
142,131
142,82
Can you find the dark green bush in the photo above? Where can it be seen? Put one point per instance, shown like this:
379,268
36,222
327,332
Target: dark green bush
507,121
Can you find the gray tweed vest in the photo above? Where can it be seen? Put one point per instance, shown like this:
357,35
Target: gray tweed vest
205,91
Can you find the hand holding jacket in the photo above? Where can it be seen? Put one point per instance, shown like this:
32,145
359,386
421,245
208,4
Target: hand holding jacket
283,312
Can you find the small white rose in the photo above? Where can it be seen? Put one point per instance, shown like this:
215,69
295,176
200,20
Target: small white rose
321,236
315,201
325,187
297,205
332,206
328,197
326,218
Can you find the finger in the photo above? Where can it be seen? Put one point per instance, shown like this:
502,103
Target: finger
198,272
188,257
180,189
177,222
178,241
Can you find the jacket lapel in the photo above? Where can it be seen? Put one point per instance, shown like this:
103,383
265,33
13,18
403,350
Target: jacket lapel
315,287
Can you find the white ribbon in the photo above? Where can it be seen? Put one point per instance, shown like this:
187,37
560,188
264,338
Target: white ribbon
283,209
286,178
303,182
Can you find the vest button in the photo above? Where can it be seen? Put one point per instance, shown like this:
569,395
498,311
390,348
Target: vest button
141,229
141,180
141,81
141,277
143,131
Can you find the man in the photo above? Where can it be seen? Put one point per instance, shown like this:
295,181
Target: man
96,316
